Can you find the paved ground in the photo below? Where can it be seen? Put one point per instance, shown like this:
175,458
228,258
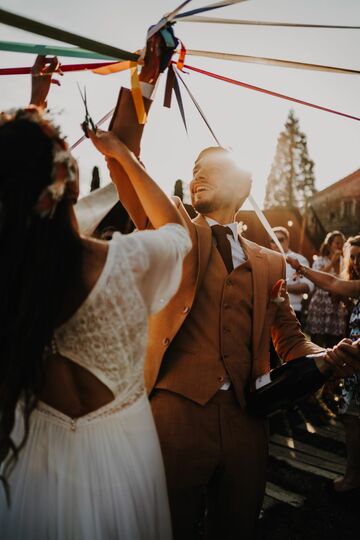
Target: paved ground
307,451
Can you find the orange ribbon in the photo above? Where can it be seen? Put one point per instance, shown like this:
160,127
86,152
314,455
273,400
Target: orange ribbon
181,60
113,68
137,95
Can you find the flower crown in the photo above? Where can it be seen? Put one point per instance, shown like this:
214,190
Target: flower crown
64,170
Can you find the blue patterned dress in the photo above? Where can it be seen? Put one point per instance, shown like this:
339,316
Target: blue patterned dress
350,398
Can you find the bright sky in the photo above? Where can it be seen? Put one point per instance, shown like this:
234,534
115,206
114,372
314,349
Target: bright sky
247,121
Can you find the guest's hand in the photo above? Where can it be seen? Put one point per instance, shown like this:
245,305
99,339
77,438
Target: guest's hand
344,358
294,263
41,78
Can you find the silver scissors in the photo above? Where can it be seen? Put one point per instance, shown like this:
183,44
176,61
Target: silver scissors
88,120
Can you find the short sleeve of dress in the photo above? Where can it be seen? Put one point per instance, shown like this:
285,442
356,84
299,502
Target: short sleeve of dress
156,260
319,263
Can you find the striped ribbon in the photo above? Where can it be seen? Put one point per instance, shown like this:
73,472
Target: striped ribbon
219,20
24,23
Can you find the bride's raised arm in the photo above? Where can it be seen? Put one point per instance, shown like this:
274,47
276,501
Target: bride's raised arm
157,206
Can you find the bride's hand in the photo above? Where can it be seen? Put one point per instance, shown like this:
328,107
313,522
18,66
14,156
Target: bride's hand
108,144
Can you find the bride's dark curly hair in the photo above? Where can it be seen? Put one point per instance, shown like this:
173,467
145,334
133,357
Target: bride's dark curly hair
39,259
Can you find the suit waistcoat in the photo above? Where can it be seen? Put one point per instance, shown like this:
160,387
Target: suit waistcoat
215,339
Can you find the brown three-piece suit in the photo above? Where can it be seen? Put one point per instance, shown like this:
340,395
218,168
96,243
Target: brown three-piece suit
216,327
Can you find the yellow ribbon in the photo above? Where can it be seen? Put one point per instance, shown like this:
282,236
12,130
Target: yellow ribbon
135,85
112,68
137,95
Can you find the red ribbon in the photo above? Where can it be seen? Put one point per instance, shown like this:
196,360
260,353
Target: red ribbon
269,92
69,67
80,67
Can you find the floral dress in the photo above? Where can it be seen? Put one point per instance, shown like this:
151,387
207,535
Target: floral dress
325,316
350,398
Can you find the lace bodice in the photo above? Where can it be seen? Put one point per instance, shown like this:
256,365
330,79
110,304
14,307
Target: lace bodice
108,333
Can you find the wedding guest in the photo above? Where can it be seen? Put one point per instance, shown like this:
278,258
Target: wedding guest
296,285
79,452
349,408
326,318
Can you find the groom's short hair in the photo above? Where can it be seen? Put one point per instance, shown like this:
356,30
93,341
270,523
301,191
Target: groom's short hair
212,150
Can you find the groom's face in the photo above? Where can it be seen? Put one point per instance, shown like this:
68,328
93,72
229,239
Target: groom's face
218,183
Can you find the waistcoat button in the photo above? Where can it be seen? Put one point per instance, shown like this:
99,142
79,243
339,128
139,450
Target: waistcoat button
185,309
166,341
220,379
228,282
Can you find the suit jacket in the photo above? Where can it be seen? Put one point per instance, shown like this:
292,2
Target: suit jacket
269,318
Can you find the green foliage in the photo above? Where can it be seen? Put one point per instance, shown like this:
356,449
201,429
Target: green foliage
291,182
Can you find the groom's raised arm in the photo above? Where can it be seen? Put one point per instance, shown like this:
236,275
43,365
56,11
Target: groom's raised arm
127,128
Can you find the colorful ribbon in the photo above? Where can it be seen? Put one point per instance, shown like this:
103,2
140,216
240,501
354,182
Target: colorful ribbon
209,7
53,50
181,60
137,94
271,61
24,23
64,68
108,69
165,20
269,92
198,108
219,20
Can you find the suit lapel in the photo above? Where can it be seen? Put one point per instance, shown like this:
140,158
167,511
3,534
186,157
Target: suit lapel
260,270
204,246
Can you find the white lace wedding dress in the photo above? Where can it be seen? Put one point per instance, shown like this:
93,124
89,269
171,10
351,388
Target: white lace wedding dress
101,476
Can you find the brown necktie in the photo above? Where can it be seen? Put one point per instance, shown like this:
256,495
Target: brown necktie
223,245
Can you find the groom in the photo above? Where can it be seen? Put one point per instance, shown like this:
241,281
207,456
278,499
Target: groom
209,344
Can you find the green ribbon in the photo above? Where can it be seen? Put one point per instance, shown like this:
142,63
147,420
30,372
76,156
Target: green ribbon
31,48
29,25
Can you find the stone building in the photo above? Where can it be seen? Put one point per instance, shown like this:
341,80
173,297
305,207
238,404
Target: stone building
337,206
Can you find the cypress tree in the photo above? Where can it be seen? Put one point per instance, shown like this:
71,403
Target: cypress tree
291,181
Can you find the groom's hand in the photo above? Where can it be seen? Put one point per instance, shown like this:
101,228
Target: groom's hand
158,55
344,358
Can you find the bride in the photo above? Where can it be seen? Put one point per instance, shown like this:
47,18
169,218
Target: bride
80,457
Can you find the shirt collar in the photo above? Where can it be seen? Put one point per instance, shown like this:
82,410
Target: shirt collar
233,226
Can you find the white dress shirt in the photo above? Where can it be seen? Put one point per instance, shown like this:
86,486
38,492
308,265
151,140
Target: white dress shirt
295,299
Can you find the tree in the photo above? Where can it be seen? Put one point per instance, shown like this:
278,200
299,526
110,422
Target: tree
95,180
291,182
